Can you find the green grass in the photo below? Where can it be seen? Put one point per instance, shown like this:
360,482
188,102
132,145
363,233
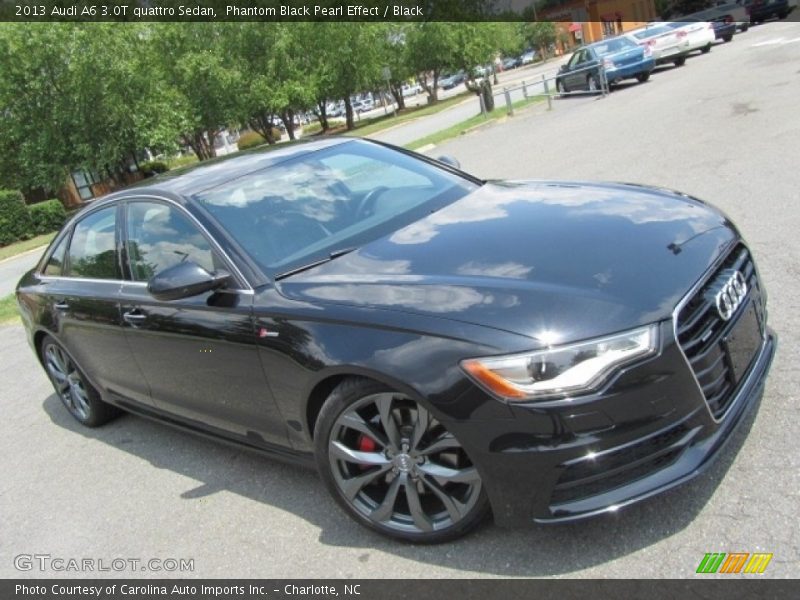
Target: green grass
464,126
25,245
8,309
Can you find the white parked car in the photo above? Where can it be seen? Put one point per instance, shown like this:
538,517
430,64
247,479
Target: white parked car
666,44
528,57
411,89
699,34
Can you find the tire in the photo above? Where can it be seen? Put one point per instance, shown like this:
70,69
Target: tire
679,62
706,49
783,15
393,467
744,28
642,77
727,38
79,397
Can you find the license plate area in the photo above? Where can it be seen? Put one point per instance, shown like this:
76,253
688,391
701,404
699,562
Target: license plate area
743,342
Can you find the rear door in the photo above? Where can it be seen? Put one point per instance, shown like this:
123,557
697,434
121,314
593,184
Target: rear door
197,354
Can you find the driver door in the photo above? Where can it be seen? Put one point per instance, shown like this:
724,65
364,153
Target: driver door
198,354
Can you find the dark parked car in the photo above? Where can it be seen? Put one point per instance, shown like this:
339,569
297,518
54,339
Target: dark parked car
761,10
620,57
451,81
437,345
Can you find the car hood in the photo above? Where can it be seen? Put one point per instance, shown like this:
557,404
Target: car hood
554,261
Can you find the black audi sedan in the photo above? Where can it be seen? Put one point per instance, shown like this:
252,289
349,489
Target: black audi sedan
441,347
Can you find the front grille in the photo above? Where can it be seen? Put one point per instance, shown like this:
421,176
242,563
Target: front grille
597,475
701,331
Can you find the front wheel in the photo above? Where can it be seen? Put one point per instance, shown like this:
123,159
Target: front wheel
727,38
642,77
80,398
679,62
393,467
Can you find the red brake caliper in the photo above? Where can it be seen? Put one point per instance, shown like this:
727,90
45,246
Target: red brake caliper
366,444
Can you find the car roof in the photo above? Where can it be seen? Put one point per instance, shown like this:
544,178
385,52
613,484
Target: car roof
200,176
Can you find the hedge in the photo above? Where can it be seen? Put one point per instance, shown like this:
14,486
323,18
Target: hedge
15,220
251,139
47,216
153,167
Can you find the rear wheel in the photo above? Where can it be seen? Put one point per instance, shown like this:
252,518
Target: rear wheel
393,467
642,77
80,398
706,49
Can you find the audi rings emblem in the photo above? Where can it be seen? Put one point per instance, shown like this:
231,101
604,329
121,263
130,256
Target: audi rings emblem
731,295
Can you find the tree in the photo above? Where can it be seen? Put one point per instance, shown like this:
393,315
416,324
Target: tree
395,57
353,66
203,81
75,97
541,35
431,52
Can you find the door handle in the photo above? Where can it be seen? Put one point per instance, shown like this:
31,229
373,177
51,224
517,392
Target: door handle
61,305
134,316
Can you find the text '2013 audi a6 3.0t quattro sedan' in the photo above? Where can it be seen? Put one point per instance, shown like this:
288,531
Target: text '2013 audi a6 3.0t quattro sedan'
441,347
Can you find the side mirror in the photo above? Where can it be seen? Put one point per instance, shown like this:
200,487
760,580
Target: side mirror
185,280
563,68
449,160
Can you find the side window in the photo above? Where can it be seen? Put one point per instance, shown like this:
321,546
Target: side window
159,237
55,265
92,251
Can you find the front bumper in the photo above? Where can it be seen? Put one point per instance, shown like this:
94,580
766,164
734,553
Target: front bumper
648,431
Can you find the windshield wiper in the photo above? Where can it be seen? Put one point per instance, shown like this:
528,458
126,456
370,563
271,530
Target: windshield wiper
311,265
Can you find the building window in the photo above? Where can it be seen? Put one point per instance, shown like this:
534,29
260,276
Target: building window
83,181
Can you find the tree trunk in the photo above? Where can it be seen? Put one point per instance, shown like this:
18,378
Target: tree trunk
287,117
322,115
262,125
348,111
200,145
431,90
397,91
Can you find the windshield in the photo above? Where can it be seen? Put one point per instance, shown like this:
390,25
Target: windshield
612,46
306,209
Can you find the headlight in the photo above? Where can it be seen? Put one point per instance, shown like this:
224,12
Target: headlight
561,370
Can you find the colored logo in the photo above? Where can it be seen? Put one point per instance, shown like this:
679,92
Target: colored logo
734,562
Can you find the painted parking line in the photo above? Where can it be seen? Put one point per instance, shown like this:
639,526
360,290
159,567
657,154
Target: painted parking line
776,42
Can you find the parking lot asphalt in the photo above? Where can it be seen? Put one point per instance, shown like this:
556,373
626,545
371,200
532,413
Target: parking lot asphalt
725,127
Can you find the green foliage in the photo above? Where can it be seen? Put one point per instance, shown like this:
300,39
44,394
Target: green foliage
47,216
540,35
15,221
153,167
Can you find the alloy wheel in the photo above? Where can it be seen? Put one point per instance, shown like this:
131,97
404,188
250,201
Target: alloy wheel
396,465
68,381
